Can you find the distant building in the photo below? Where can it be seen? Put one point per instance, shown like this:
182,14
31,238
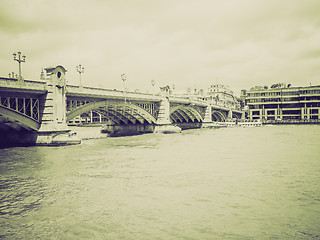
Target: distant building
221,95
216,94
284,103
243,96
88,117
193,94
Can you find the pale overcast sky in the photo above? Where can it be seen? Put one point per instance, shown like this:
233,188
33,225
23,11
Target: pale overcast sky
188,43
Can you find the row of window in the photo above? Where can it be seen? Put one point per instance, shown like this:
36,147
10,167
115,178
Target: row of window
272,100
284,99
293,105
259,94
286,112
310,92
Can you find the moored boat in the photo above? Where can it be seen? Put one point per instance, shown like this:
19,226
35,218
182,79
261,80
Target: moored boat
241,123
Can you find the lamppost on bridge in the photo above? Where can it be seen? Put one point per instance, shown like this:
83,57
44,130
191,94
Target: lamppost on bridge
124,78
80,70
17,57
153,82
12,75
42,75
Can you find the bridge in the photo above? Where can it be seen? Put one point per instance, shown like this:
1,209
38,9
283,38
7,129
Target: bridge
37,111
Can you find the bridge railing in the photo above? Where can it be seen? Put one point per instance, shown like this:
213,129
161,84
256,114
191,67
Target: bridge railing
36,85
186,100
102,93
75,90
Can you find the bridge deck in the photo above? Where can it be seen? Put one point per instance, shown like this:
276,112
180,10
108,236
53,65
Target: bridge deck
100,93
26,86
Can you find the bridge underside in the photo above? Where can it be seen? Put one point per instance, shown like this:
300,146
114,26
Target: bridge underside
184,114
127,113
236,115
219,116
16,121
119,113
18,112
16,129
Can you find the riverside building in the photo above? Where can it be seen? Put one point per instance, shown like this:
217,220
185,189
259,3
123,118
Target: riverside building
220,94
217,94
284,104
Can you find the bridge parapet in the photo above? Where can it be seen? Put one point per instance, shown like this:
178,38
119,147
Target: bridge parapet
186,101
93,92
31,86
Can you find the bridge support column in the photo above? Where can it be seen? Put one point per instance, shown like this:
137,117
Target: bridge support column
208,114
207,121
53,130
163,124
230,115
243,116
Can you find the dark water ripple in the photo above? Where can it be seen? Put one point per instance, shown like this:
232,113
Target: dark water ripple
238,183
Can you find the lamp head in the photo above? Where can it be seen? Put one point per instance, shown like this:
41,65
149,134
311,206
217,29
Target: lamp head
123,77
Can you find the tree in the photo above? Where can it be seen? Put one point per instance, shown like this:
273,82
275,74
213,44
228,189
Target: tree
276,85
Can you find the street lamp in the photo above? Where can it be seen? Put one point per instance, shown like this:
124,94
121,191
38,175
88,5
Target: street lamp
11,75
153,82
80,70
124,78
42,76
17,57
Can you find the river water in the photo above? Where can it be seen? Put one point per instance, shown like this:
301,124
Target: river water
228,183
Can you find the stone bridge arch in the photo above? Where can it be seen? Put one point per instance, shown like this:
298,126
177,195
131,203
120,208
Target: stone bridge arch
236,115
218,116
184,113
117,112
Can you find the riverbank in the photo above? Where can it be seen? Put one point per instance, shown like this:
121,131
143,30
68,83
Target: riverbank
87,133
94,131
292,121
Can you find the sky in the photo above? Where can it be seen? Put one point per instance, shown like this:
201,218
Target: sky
185,43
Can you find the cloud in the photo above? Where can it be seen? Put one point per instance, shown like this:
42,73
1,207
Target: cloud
186,43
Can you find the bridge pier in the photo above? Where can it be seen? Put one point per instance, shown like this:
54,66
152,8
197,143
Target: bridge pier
229,115
207,121
163,124
17,138
53,129
114,130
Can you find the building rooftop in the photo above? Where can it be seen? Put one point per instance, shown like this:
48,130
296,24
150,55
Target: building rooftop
256,89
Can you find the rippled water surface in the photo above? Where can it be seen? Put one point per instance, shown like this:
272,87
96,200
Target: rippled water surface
231,183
